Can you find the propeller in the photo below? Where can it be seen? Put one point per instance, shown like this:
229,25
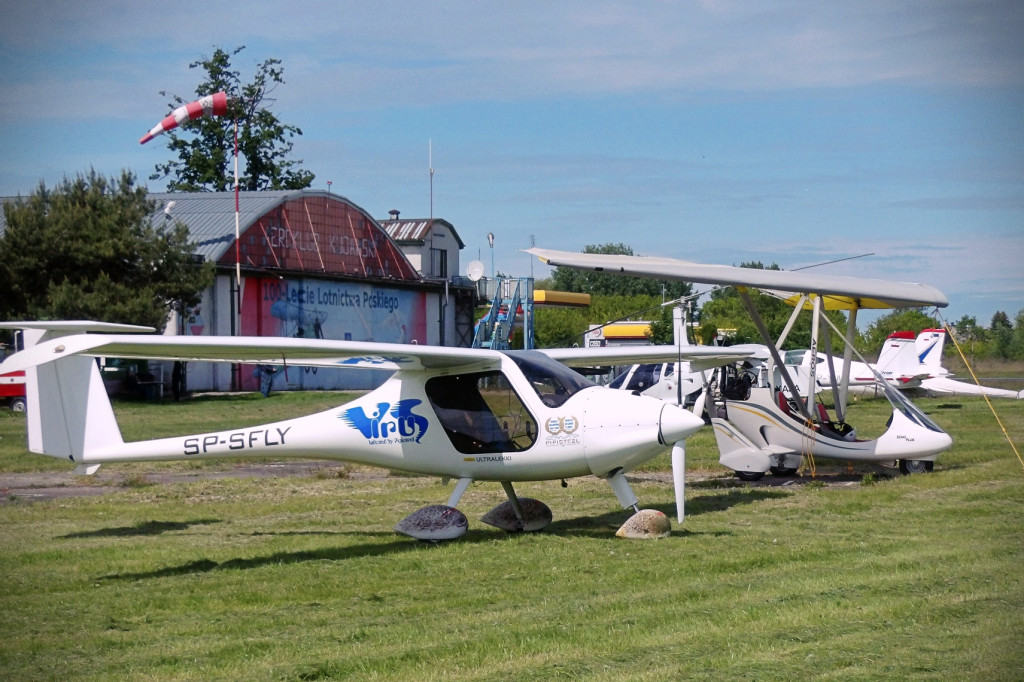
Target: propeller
679,462
679,447
679,477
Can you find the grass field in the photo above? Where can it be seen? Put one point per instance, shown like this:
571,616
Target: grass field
862,576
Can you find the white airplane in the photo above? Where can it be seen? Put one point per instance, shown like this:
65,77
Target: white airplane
908,363
676,383
457,413
759,429
897,366
939,382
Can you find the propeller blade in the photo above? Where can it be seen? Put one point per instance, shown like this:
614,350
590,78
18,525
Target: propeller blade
679,476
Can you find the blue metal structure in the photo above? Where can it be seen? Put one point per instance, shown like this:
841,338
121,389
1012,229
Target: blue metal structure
512,300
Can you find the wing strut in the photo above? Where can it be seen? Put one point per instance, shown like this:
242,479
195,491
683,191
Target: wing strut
792,319
772,348
844,382
815,332
830,361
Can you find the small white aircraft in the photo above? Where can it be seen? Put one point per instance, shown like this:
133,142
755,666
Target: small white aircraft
940,382
457,413
906,362
757,427
676,383
897,366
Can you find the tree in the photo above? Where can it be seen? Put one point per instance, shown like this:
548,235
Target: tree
586,282
562,327
205,146
969,335
663,328
1001,334
1017,340
88,250
902,320
967,329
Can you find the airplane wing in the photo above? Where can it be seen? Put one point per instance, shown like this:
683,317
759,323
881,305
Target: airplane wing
256,349
838,292
699,357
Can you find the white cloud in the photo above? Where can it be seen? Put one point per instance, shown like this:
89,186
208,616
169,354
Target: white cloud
425,52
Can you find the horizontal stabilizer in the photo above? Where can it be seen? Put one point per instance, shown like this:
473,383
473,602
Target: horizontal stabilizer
65,327
68,412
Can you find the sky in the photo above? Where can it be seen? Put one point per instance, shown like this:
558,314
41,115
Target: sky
717,131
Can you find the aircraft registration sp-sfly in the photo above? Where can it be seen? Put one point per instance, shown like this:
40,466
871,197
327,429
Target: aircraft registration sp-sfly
457,413
758,427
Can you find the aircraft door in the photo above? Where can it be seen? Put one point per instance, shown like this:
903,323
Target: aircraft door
481,413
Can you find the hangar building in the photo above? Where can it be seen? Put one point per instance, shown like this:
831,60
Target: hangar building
431,244
313,264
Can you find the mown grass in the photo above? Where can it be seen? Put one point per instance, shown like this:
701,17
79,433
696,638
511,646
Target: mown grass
302,578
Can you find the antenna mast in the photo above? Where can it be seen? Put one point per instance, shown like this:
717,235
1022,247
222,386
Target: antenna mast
430,162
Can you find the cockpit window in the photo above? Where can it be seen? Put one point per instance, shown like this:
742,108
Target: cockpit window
644,377
793,357
481,413
912,411
554,382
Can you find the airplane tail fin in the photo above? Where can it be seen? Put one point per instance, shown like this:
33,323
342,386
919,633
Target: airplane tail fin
929,346
898,361
68,412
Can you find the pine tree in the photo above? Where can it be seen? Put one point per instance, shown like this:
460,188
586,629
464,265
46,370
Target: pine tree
88,250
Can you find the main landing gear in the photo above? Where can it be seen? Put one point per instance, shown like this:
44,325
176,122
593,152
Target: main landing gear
915,466
444,522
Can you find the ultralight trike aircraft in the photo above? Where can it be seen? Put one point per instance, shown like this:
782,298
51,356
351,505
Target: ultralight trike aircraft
760,427
457,413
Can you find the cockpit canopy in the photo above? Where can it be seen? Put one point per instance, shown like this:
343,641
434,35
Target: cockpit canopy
481,412
554,382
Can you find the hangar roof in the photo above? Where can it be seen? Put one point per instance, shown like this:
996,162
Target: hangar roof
311,230
210,216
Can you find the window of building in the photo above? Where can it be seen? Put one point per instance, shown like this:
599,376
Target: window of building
439,263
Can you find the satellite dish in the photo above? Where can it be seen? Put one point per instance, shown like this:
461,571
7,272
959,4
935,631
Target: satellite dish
475,270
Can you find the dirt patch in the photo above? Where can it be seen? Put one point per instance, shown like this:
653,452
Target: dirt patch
828,476
64,484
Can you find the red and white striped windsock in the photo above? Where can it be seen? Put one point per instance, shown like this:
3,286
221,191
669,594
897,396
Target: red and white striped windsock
211,105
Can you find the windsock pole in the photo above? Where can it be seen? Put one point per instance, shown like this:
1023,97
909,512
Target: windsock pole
210,105
238,253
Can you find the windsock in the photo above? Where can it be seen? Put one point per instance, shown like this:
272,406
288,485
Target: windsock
211,105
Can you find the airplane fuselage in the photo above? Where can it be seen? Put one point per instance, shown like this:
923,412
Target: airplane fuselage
409,424
758,433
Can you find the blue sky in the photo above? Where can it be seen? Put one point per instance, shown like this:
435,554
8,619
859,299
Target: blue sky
715,131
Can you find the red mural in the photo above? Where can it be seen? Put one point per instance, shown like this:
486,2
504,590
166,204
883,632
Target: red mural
322,235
